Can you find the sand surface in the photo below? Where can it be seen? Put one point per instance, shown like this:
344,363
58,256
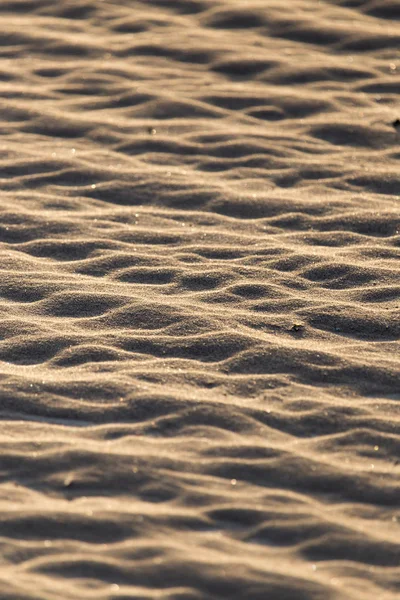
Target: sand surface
199,300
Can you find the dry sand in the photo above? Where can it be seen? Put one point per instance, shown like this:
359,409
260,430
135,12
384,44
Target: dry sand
200,299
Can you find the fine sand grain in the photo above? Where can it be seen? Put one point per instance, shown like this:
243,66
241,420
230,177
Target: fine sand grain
200,299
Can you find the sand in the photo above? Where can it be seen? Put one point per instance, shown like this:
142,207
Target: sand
200,300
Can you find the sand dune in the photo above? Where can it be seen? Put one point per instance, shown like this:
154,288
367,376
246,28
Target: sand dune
200,299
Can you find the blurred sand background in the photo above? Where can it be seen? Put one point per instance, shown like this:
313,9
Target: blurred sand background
199,300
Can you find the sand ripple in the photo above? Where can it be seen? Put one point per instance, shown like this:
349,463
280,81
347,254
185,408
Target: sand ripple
199,300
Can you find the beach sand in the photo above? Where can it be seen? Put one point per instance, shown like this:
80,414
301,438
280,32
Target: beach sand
200,300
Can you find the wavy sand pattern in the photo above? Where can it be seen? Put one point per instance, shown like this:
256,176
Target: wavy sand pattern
200,300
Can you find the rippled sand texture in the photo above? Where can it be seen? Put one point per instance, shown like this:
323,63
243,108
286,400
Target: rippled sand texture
200,300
